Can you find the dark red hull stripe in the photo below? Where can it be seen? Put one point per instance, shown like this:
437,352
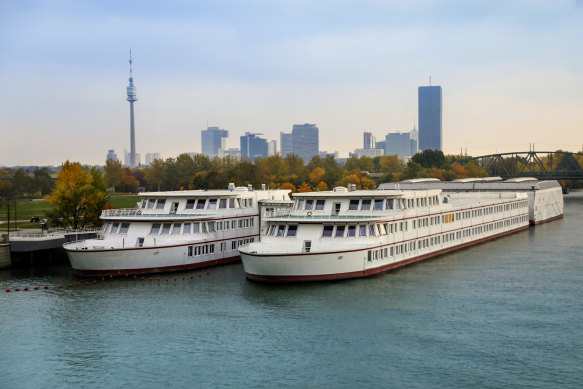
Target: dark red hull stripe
547,220
380,269
389,244
161,269
163,247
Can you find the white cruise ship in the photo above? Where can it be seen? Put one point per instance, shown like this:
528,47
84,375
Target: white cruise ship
345,234
171,231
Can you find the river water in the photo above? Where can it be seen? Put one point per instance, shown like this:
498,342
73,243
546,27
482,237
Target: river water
507,313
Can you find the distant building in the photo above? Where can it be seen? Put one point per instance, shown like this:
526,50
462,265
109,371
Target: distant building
430,111
305,141
111,155
400,144
369,140
286,142
128,159
213,141
234,153
151,157
367,153
380,145
271,147
324,154
253,146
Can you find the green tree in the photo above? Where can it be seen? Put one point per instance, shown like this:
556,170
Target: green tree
79,196
113,173
429,158
43,181
23,183
156,174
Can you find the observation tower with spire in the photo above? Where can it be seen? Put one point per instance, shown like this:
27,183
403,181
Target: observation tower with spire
131,98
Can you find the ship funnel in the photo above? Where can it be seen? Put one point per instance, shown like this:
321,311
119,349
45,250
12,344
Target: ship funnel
250,188
231,186
262,186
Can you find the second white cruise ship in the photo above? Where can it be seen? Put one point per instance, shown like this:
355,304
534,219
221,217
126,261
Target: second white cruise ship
346,234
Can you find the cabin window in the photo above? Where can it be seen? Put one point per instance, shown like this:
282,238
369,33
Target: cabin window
166,228
361,230
365,205
382,229
281,230
223,203
201,203
196,228
186,229
212,204
124,228
211,226
151,203
372,230
176,229
353,205
378,205
319,205
300,203
155,228
309,204
390,203
161,203
340,231
189,204
204,230
292,230
272,230
231,203
351,230
327,231
114,228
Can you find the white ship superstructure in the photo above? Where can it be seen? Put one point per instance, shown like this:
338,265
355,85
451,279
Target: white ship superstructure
545,198
346,234
170,231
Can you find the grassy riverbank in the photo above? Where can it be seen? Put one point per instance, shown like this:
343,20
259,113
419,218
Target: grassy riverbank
24,210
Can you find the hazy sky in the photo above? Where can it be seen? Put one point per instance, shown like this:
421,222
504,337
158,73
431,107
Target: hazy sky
511,73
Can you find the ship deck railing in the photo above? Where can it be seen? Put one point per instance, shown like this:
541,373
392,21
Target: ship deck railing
131,212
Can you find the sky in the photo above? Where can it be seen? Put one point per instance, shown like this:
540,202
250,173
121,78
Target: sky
511,73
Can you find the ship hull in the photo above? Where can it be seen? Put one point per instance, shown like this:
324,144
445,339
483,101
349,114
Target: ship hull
338,265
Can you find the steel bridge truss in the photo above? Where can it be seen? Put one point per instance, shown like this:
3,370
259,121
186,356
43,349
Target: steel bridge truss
544,165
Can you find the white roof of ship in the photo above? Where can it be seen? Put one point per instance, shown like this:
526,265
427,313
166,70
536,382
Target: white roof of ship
210,192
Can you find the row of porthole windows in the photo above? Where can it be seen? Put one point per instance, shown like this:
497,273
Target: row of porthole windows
209,248
374,255
490,210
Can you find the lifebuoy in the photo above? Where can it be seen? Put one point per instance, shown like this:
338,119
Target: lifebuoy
309,213
139,212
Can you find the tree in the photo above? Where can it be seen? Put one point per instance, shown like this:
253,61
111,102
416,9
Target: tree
305,187
43,181
113,173
429,158
79,196
316,175
23,183
156,174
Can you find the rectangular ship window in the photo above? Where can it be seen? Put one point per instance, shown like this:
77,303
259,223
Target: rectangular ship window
292,230
365,206
200,203
160,204
327,231
166,228
353,205
319,205
124,228
340,231
351,230
378,205
190,204
155,228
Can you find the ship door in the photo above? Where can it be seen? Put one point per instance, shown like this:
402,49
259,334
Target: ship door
174,208
140,242
307,246
336,209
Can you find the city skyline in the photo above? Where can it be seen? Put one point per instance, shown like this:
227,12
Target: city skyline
511,74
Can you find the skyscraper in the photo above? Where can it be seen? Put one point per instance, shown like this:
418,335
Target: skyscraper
253,146
111,155
305,141
398,143
430,110
131,90
286,141
213,141
369,140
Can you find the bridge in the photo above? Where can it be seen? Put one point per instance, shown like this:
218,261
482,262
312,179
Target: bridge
544,165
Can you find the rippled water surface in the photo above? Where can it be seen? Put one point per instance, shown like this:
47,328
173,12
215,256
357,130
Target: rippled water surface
507,313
